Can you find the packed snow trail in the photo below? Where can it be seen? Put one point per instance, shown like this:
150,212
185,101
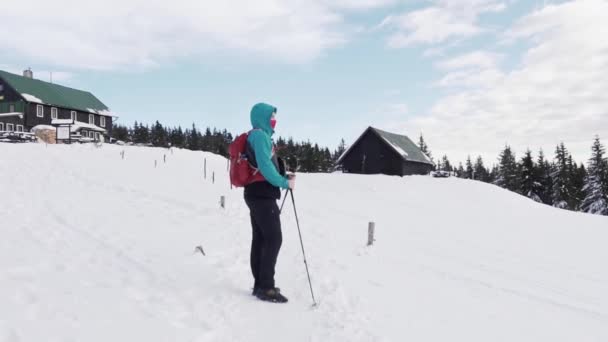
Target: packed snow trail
97,248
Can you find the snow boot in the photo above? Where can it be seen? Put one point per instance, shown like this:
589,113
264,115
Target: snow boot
255,290
271,295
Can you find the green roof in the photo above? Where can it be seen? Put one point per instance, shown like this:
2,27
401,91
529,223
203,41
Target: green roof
404,146
37,91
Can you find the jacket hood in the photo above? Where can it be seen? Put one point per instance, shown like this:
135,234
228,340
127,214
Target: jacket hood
260,117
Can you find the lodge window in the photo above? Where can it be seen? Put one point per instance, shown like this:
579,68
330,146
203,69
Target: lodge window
91,119
11,108
10,127
92,135
19,128
102,121
83,134
1,126
73,115
53,113
97,137
40,111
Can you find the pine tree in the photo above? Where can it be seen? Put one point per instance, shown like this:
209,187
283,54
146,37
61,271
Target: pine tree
469,171
120,132
480,171
561,177
158,135
543,169
141,134
596,182
507,176
493,174
577,175
340,150
445,163
425,148
530,184
460,171
194,139
177,138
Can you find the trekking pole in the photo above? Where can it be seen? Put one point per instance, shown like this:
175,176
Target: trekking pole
302,244
284,198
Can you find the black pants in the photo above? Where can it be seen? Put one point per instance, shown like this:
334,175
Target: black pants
266,241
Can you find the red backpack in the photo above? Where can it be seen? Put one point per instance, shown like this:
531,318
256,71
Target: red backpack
241,171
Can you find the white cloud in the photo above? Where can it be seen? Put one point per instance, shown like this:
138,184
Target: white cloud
142,33
474,69
440,22
358,4
476,59
558,92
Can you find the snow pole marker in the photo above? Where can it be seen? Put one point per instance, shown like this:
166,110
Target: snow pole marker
199,249
370,233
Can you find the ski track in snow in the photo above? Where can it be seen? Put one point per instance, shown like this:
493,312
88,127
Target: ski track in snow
96,248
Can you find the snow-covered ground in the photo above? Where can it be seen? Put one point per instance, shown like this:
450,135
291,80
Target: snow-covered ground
96,248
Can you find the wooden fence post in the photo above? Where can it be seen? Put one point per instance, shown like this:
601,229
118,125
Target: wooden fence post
155,163
205,169
223,202
370,233
165,158
213,177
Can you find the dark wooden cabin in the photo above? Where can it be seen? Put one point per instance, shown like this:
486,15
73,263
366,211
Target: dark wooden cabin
26,102
380,152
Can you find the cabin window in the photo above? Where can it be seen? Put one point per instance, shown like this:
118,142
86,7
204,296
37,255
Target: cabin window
10,127
102,121
97,137
1,126
40,111
53,113
92,135
73,115
83,134
91,119
11,108
19,128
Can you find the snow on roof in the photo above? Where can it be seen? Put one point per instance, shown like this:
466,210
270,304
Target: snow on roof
427,157
31,98
4,115
396,148
62,122
78,125
42,127
103,112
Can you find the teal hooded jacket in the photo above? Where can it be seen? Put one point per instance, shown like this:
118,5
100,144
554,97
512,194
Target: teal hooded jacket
260,140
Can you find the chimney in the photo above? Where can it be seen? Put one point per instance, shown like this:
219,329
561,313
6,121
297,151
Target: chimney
28,73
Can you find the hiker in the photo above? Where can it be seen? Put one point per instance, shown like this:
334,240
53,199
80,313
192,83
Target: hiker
261,196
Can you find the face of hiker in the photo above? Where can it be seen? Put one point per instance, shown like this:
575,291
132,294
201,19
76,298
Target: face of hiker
273,121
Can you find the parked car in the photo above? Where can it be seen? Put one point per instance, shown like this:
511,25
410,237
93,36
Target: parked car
441,174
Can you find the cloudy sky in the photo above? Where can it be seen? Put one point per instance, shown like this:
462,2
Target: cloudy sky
471,75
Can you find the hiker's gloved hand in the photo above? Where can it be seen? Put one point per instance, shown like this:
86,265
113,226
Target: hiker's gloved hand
292,181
